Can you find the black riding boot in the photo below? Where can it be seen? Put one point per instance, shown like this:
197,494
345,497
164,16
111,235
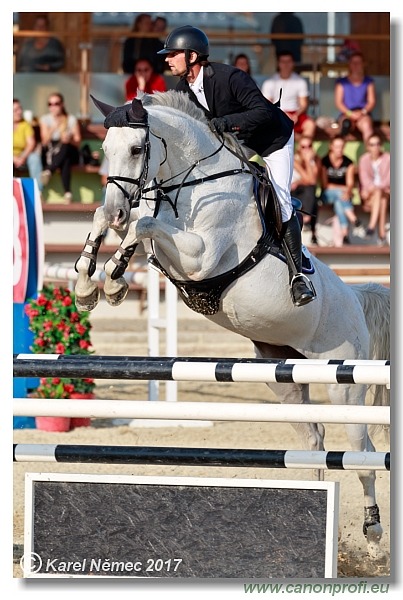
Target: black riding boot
302,291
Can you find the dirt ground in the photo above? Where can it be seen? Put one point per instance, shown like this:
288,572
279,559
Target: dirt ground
200,338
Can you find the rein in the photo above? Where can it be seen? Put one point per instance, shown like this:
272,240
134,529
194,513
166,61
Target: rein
163,190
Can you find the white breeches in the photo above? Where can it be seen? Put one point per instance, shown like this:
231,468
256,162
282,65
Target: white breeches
280,165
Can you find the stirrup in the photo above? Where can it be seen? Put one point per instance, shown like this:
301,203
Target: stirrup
306,297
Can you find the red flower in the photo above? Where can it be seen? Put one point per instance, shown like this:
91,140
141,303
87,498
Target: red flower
58,328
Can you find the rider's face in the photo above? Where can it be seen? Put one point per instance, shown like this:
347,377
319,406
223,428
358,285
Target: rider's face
176,62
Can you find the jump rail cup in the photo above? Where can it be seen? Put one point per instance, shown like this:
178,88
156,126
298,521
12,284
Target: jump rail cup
203,369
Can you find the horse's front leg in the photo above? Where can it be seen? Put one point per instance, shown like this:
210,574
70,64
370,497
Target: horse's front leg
87,292
183,249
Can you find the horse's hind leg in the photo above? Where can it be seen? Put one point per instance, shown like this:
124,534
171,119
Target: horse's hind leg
311,434
361,442
87,291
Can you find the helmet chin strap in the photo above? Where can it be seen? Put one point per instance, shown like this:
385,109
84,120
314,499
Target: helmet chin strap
189,65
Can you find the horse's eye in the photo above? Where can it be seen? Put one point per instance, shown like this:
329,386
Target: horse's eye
135,150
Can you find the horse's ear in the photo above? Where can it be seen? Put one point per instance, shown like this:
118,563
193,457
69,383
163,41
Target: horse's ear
138,112
104,108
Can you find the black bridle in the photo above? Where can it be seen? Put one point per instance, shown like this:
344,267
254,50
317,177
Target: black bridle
162,189
134,199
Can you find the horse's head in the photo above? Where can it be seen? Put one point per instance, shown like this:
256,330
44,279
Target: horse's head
131,164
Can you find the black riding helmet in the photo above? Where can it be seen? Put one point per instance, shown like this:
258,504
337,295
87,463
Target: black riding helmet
189,39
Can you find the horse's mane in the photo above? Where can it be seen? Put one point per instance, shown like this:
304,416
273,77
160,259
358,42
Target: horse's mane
181,101
178,100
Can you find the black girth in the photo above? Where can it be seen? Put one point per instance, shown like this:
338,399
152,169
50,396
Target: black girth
204,296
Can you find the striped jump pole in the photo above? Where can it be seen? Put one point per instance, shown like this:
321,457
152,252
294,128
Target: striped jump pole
204,369
202,411
213,457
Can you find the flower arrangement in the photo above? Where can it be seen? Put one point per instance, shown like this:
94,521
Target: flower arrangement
59,328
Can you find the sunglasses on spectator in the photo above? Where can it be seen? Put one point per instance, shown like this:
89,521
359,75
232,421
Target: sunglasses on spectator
54,103
374,144
305,146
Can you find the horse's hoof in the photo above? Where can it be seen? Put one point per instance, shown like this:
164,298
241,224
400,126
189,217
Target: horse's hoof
116,299
87,303
374,535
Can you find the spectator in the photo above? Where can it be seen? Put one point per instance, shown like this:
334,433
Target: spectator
144,79
337,188
26,153
374,178
294,94
355,98
146,47
160,25
61,139
41,54
307,168
241,61
288,23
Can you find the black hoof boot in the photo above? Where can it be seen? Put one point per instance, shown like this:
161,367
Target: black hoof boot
301,292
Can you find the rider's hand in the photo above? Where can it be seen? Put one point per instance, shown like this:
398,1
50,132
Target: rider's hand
218,125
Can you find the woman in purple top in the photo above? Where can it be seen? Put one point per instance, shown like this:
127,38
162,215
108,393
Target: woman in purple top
355,98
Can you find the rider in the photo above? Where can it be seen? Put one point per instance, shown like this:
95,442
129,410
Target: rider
232,102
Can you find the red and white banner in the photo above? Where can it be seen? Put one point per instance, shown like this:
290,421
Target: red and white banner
20,244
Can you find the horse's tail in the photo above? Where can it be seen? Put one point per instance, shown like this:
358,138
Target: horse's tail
375,301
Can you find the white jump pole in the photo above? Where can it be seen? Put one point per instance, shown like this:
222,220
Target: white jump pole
196,411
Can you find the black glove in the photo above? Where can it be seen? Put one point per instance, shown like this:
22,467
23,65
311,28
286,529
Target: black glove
218,125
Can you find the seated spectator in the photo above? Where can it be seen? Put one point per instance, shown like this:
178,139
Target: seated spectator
374,178
355,98
241,61
26,152
145,47
144,79
307,167
42,54
61,139
337,188
292,90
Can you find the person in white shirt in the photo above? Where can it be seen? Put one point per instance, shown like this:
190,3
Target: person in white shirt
292,90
